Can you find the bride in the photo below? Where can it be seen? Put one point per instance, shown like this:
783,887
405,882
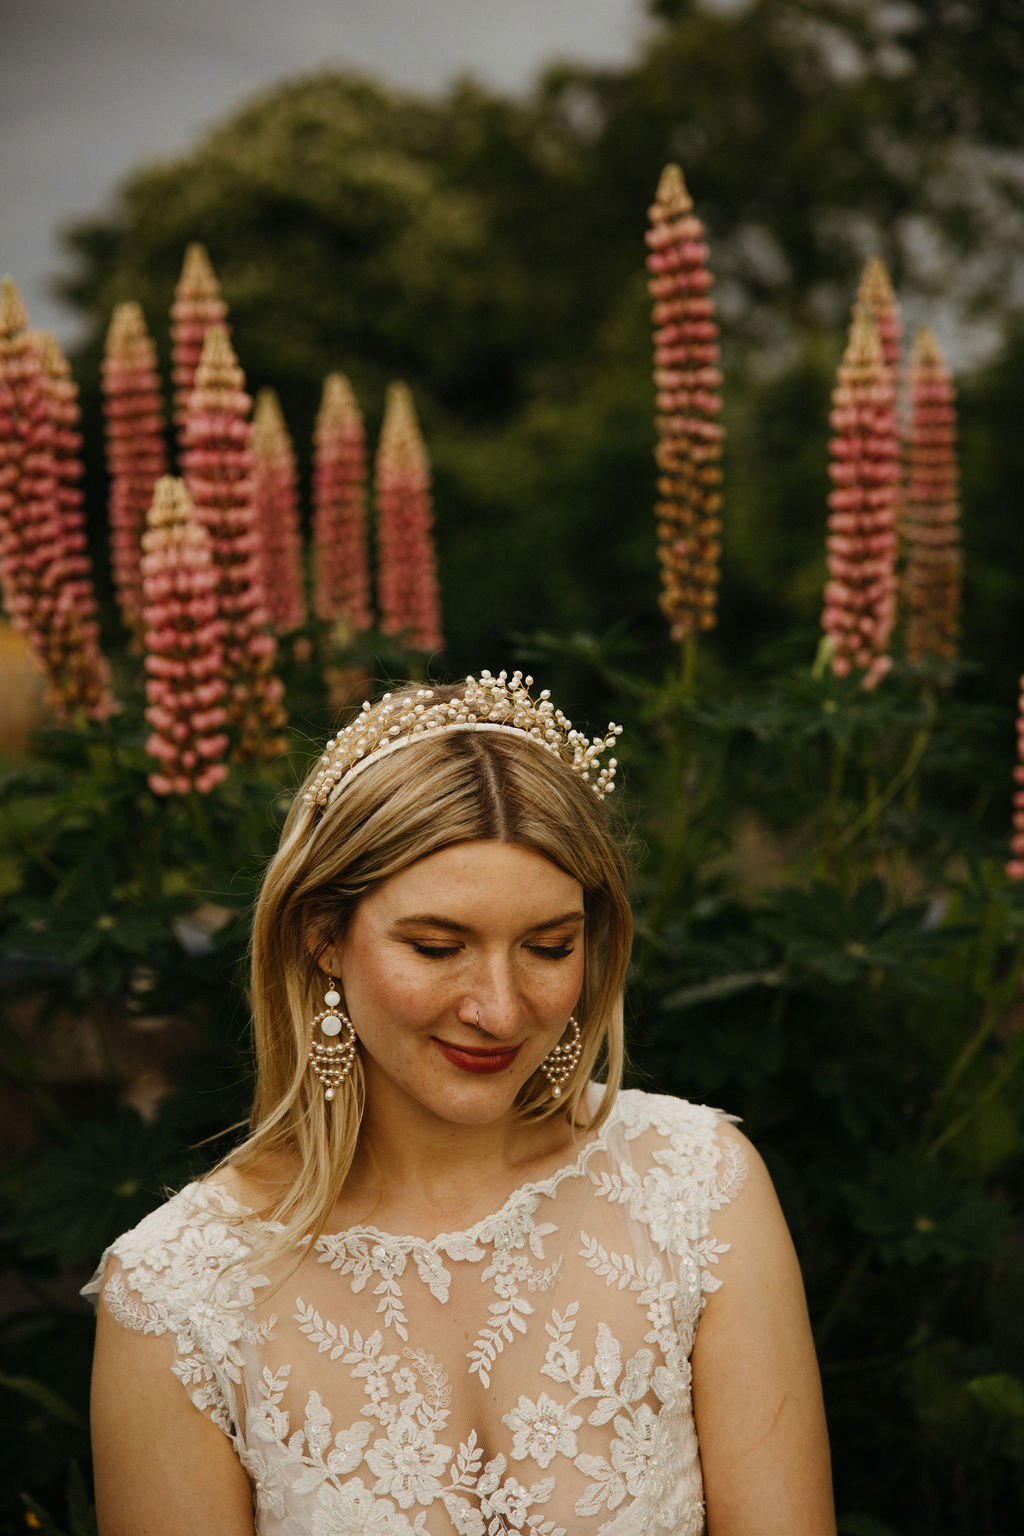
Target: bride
455,1279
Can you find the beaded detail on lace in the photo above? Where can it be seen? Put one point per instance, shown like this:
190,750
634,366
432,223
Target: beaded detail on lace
528,1374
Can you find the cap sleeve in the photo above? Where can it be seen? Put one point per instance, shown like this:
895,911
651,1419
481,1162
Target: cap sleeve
692,1171
185,1272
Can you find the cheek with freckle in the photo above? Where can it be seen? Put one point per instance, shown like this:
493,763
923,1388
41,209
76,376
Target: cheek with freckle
386,990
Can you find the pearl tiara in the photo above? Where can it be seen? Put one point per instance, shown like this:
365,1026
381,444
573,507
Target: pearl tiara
489,703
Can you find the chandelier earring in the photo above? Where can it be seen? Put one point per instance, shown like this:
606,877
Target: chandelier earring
562,1060
332,1047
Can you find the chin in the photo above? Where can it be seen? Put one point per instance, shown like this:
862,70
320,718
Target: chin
475,1102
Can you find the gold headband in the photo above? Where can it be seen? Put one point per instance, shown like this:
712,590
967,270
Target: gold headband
489,703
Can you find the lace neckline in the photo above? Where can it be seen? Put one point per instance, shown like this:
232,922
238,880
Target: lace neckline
484,1230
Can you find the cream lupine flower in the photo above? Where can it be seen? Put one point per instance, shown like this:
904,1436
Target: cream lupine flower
276,503
44,565
218,463
185,685
197,306
877,297
860,592
687,381
406,577
341,576
136,449
931,525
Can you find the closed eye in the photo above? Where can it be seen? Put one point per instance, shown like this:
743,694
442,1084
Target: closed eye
551,951
434,951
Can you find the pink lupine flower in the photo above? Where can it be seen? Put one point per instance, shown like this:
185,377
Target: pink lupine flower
136,449
876,295
186,689
218,462
341,576
29,506
197,305
931,577
406,579
276,503
687,381
1015,868
80,672
860,593
44,565
74,573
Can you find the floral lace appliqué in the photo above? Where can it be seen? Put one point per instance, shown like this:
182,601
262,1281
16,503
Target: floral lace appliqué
530,1374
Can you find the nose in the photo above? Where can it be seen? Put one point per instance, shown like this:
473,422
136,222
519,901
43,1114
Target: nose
493,1002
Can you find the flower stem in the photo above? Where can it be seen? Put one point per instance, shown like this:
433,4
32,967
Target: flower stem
688,669
881,798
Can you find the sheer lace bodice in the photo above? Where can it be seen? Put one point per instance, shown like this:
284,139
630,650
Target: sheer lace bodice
528,1374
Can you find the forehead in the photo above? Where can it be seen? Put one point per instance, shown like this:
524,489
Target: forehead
479,876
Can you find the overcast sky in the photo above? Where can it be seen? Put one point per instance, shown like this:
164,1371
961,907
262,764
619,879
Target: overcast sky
89,89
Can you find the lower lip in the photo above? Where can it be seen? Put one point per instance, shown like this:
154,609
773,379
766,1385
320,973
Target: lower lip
470,1063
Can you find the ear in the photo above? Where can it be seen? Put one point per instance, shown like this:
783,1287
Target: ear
329,961
324,951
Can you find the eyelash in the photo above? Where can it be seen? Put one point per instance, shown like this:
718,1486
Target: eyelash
552,951
444,951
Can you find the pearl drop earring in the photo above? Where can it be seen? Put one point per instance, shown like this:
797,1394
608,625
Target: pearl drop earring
562,1060
332,1059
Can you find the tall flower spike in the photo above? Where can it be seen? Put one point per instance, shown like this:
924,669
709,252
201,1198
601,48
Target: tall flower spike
406,577
136,449
341,576
74,573
931,577
185,686
276,503
197,305
687,381
876,296
1015,868
218,462
44,565
79,670
860,592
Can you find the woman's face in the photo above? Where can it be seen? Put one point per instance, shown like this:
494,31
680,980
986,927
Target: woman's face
479,929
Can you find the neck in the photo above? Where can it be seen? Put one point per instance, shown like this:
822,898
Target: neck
423,1175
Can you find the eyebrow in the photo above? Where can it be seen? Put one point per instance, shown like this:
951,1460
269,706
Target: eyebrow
431,920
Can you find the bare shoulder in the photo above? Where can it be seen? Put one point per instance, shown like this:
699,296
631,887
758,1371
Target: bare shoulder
756,1387
145,1430
751,1202
257,1186
155,1408
243,1187
754,1256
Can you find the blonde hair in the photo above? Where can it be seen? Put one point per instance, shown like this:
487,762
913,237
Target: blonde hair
442,790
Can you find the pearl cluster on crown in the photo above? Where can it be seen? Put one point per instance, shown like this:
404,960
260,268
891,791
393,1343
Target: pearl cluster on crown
501,703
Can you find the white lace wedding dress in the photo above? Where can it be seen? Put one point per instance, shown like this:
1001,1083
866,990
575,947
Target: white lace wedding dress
529,1374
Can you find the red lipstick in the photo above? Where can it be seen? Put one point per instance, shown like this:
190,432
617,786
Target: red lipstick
471,1059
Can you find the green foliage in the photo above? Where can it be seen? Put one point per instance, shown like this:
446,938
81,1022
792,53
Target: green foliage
827,945
81,1515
